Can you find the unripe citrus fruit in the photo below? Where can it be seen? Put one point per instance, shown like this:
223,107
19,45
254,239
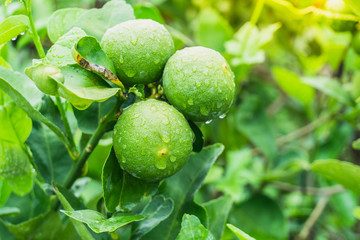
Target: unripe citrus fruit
152,140
199,82
138,49
43,75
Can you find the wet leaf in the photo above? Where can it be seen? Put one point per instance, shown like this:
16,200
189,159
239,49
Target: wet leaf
61,21
13,26
89,55
192,229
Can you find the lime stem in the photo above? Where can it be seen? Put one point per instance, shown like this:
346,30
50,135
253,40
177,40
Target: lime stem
68,132
35,35
257,11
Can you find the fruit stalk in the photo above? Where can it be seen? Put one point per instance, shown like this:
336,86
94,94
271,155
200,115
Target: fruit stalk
257,11
76,169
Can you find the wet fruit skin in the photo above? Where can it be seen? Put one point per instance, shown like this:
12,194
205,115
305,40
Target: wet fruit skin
139,50
199,82
152,140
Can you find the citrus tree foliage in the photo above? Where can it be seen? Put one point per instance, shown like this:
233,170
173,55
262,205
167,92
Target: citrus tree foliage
179,119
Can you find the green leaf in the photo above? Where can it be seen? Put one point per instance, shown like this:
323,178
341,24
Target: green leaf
147,11
156,211
192,229
134,191
343,204
240,234
330,87
111,178
246,48
89,55
218,211
81,87
25,94
181,187
357,212
15,124
356,144
355,5
80,228
238,173
345,173
260,217
60,54
95,22
61,21
13,26
5,192
99,223
253,122
212,30
198,144
89,119
9,211
292,85
15,168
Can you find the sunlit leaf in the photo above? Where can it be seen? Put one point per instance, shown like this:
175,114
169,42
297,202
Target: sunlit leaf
292,85
99,223
192,229
240,234
13,26
330,87
212,30
61,21
345,173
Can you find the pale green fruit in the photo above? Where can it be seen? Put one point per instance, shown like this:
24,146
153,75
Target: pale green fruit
152,140
139,50
199,82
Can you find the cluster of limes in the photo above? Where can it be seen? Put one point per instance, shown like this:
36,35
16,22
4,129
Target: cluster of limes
153,139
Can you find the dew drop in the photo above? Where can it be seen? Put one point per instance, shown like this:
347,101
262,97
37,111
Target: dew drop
161,163
133,40
165,137
121,59
22,33
13,39
222,116
204,110
208,122
198,83
172,158
156,60
130,73
190,101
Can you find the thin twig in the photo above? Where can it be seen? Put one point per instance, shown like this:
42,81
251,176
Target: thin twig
301,132
68,132
314,216
325,191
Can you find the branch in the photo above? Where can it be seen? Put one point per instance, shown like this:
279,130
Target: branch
314,216
76,169
325,191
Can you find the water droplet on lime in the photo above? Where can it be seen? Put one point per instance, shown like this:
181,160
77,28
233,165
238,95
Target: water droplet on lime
204,110
172,158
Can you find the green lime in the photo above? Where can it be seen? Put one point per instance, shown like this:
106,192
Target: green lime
199,82
139,50
152,140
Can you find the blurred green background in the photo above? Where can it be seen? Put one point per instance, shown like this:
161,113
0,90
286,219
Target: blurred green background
297,68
